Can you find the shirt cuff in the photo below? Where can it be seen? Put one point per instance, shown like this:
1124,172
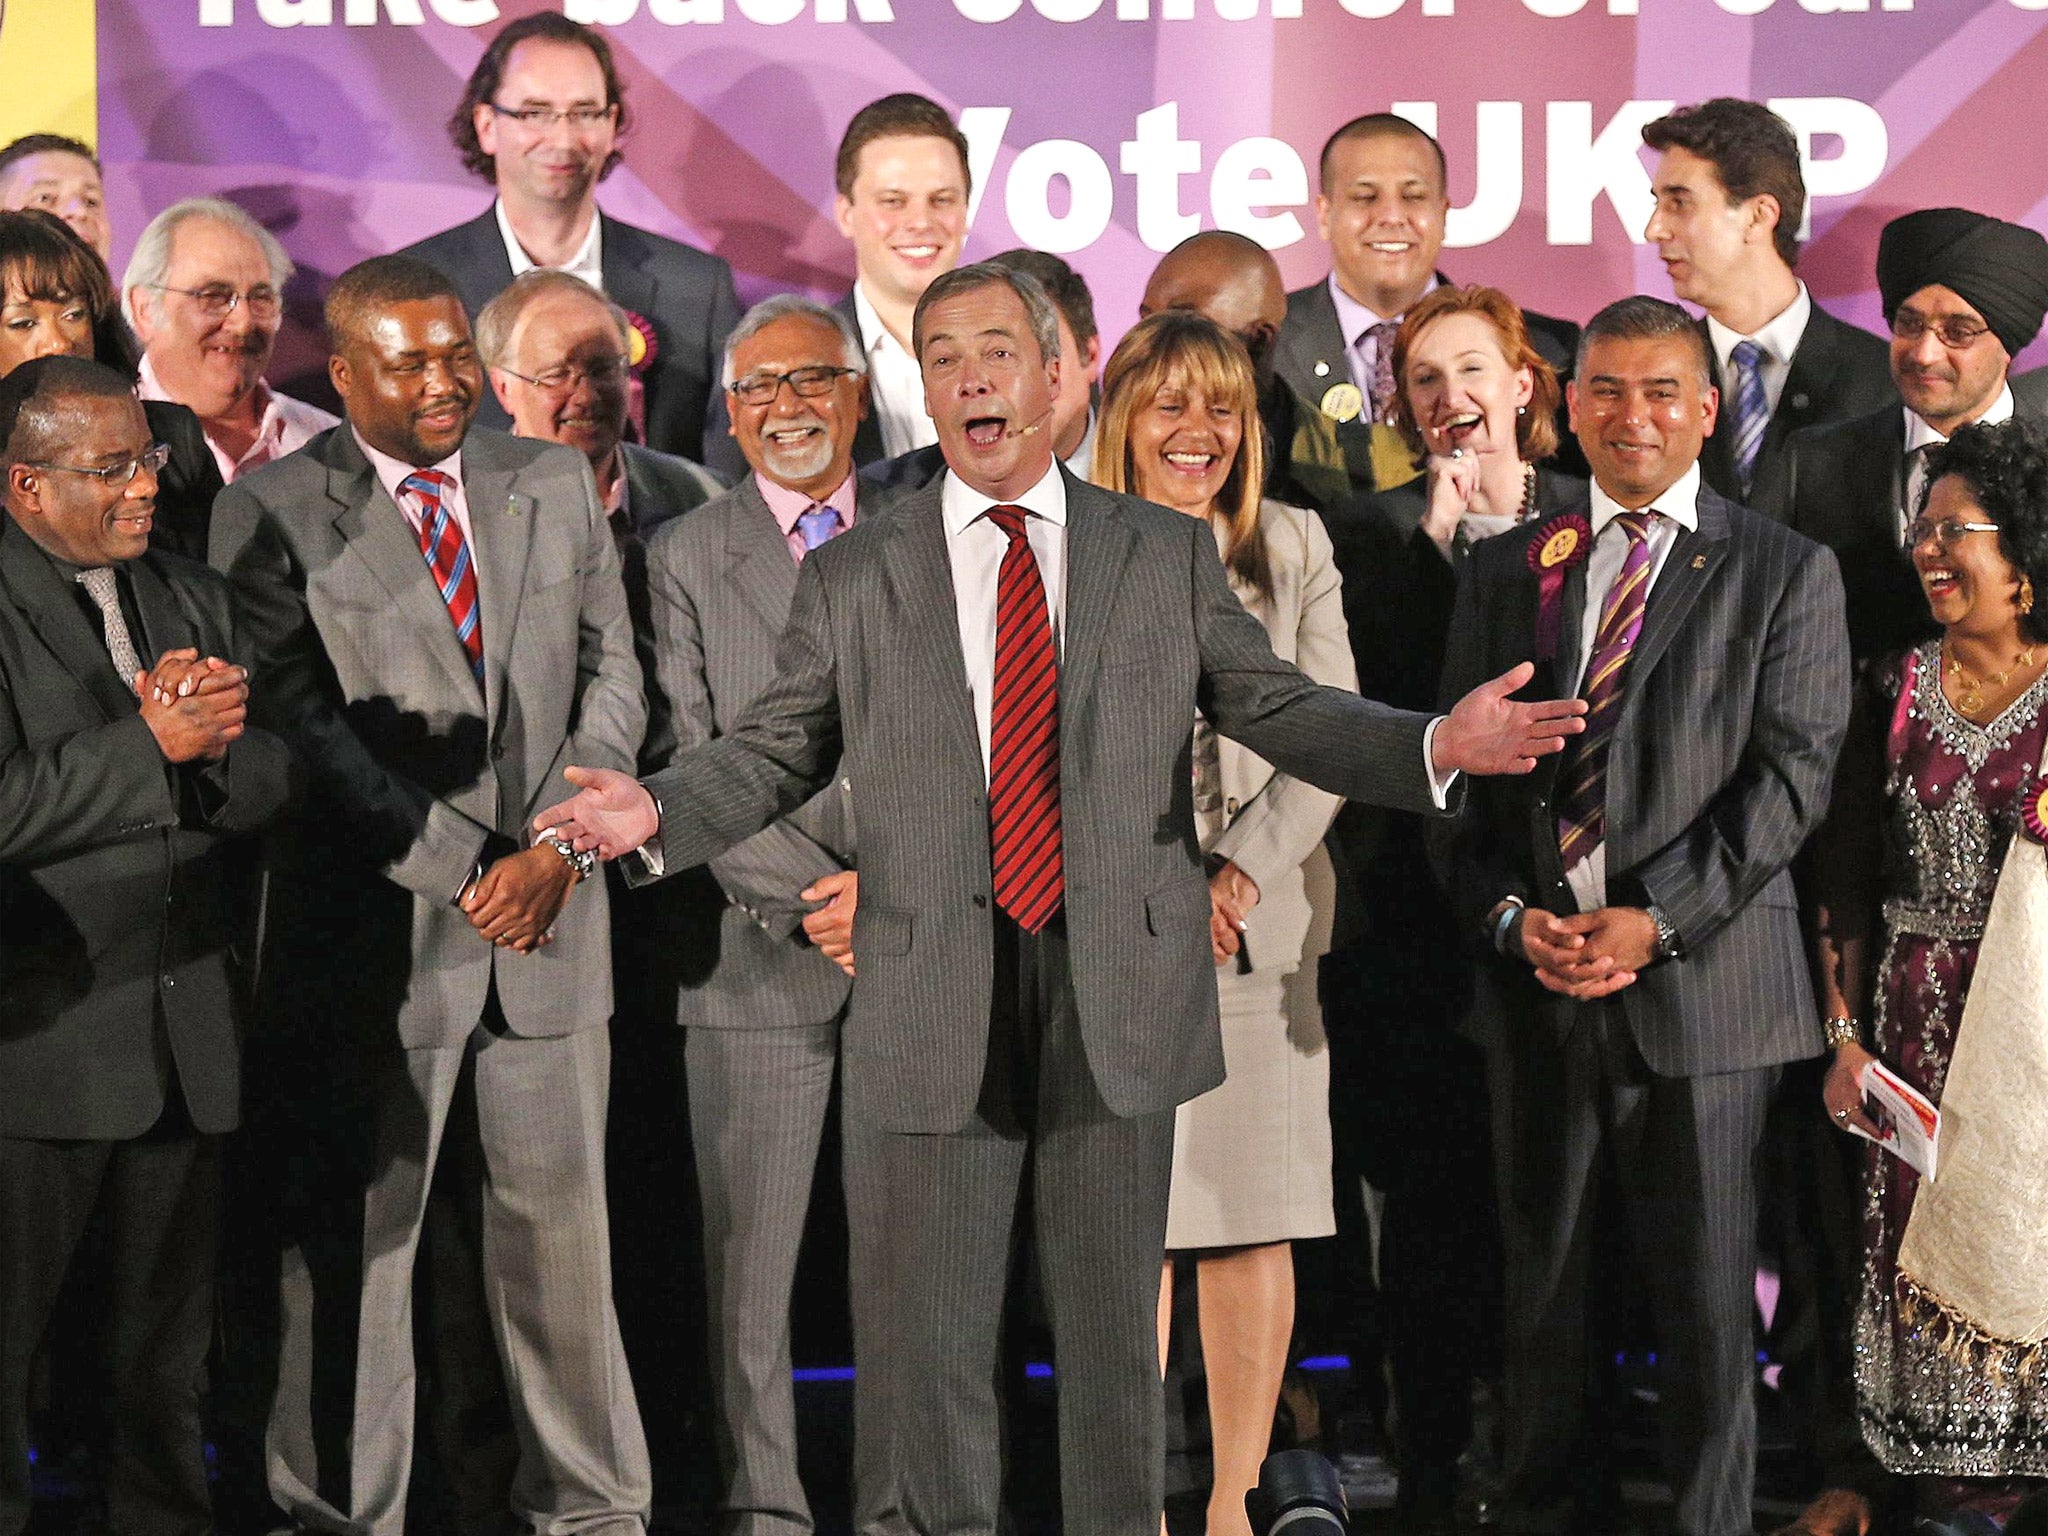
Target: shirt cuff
1439,783
649,855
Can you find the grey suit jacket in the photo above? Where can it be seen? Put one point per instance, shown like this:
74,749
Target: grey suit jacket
120,896
685,294
721,582
415,773
870,680
1838,372
1720,767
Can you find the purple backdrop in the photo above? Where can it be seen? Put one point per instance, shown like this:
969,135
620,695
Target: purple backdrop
332,131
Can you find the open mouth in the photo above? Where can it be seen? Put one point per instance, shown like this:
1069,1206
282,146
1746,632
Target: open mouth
1463,425
916,252
792,437
986,431
1939,581
140,522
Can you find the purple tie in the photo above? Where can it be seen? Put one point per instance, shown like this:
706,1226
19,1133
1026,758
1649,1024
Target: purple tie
1382,337
817,525
1582,784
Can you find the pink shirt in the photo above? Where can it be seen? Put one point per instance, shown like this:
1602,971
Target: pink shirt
285,426
391,474
788,506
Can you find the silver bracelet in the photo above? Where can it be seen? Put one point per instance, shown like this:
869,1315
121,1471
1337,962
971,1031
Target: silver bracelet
585,864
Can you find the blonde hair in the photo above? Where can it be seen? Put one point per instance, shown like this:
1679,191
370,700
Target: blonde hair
1178,346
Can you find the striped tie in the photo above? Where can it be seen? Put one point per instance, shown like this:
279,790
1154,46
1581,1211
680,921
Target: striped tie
1024,739
447,557
1582,784
1752,409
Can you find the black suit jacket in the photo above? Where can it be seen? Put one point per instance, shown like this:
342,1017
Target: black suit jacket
1719,769
911,471
867,440
1838,372
684,293
1842,485
188,484
120,896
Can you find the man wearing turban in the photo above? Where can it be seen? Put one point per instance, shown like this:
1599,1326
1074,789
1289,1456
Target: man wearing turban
1963,293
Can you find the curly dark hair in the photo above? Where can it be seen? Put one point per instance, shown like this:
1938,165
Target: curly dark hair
2005,468
489,74
1752,150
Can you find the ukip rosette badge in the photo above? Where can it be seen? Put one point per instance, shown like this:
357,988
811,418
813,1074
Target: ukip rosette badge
1558,545
2034,810
642,345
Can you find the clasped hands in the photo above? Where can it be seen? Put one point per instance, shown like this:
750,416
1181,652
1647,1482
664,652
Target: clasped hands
1588,954
194,706
515,901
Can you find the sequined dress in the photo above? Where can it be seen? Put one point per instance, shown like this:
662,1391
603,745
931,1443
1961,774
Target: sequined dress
1934,1402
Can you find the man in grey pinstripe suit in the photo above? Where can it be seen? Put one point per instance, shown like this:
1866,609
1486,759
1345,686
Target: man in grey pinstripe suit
762,998
988,1050
1644,977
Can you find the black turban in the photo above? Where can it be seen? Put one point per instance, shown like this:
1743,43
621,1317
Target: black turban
1999,269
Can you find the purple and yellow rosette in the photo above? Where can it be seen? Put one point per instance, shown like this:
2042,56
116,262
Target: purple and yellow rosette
1558,545
2034,810
642,345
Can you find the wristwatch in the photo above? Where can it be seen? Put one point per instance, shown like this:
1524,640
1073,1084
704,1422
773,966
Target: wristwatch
585,864
1668,947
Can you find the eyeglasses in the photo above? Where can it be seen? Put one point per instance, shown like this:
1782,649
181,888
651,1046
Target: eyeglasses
1948,532
153,458
540,119
217,301
762,388
600,372
1952,331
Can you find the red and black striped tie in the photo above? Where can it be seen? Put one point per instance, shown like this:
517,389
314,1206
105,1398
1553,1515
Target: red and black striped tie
1024,739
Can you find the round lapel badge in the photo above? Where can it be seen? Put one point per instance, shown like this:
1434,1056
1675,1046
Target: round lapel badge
2034,811
1342,402
1559,548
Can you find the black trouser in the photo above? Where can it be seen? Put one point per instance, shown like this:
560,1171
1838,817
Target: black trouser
160,1199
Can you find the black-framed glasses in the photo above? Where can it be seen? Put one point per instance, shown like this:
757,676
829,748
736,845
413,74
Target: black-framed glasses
540,119
602,373
1951,330
1947,532
217,301
153,458
762,388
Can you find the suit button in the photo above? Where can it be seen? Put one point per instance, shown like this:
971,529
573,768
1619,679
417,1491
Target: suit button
169,981
982,902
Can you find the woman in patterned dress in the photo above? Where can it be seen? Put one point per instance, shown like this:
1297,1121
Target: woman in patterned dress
1947,743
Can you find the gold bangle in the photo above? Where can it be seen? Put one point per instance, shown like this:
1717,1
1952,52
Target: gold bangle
1841,1030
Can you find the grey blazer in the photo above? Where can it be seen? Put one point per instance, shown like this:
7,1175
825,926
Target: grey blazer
869,675
720,583
1720,769
414,772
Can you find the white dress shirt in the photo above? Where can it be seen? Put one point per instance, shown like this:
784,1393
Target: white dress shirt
1777,341
1920,436
975,547
587,263
283,425
1680,508
895,384
391,474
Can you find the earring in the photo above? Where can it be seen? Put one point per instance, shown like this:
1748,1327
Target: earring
2026,604
1521,410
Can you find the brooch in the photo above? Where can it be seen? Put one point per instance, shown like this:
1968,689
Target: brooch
2034,811
1557,546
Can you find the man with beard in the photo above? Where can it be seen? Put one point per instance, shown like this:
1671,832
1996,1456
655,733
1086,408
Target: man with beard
205,294
437,628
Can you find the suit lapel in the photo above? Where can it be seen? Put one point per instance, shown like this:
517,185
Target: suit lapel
920,581
1098,544
60,622
626,281
501,536
1693,560
757,556
1811,378
165,625
376,532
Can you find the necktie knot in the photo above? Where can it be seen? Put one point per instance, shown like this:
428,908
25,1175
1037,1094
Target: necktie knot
1637,525
1008,518
430,485
1747,354
817,525
98,582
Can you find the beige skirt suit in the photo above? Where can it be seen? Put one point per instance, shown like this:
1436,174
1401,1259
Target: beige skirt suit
1251,1158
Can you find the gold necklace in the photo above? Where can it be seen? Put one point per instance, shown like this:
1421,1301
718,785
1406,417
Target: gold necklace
1970,698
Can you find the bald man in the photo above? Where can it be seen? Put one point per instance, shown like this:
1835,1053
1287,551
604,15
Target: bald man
1236,282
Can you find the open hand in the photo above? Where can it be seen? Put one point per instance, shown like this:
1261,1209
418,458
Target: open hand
1487,732
830,928
611,814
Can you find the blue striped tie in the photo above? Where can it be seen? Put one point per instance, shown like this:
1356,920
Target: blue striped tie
1752,409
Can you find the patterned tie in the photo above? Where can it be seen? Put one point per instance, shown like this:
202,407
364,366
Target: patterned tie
817,525
1382,338
1024,739
447,557
1582,784
1752,409
100,586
